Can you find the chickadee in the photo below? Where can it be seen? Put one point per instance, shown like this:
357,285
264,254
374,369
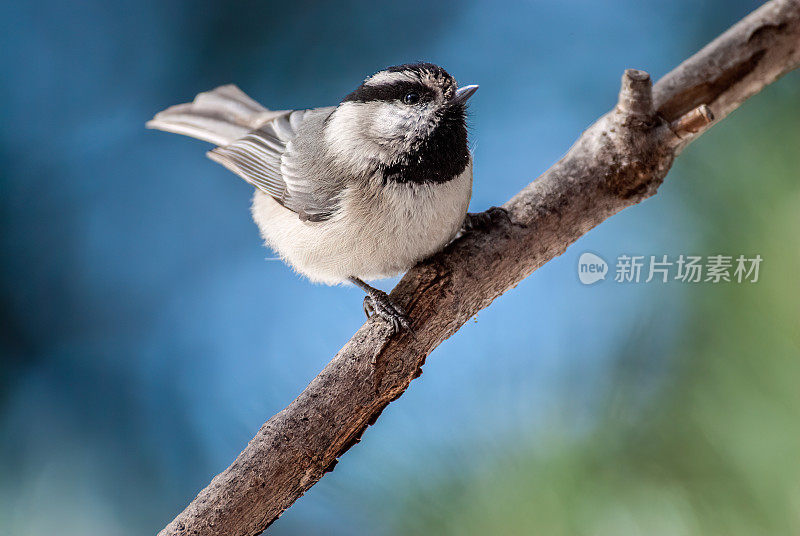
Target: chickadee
358,191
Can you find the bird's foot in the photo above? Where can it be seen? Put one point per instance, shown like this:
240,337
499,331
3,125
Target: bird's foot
482,220
378,303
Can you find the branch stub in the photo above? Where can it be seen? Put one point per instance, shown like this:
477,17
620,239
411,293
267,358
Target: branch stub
636,95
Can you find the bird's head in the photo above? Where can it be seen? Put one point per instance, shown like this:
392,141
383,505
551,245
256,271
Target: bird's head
407,121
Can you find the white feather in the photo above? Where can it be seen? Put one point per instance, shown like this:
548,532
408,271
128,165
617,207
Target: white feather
381,230
359,134
386,77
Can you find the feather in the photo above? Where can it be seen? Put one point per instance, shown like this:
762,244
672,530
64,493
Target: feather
219,116
254,142
264,157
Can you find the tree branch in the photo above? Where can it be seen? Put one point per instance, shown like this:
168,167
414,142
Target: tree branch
617,162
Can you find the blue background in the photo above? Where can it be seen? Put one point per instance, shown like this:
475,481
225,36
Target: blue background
146,333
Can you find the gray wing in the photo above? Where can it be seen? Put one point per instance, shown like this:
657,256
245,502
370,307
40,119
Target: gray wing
271,159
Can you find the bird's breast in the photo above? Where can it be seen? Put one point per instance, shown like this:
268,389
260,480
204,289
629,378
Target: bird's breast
407,222
380,230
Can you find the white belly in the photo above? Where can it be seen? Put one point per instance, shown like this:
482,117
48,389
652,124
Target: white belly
381,232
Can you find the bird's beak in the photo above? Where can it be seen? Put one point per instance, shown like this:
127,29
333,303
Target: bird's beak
464,93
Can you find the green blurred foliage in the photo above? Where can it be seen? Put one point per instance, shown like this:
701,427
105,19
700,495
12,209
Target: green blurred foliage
701,436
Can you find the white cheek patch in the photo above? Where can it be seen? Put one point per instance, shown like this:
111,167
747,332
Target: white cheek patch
350,136
399,128
428,122
344,135
391,121
359,134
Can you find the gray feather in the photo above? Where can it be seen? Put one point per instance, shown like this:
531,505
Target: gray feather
273,159
219,116
257,144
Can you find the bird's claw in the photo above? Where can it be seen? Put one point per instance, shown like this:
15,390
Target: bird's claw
482,220
378,302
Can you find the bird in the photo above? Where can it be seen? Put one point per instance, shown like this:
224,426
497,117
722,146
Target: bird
355,192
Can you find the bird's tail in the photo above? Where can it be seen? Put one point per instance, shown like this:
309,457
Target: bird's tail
219,116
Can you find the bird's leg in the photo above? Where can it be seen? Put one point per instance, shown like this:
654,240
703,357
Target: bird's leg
481,220
378,302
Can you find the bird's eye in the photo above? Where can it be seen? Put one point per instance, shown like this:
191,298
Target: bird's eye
411,98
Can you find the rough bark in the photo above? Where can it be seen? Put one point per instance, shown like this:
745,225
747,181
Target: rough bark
617,162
